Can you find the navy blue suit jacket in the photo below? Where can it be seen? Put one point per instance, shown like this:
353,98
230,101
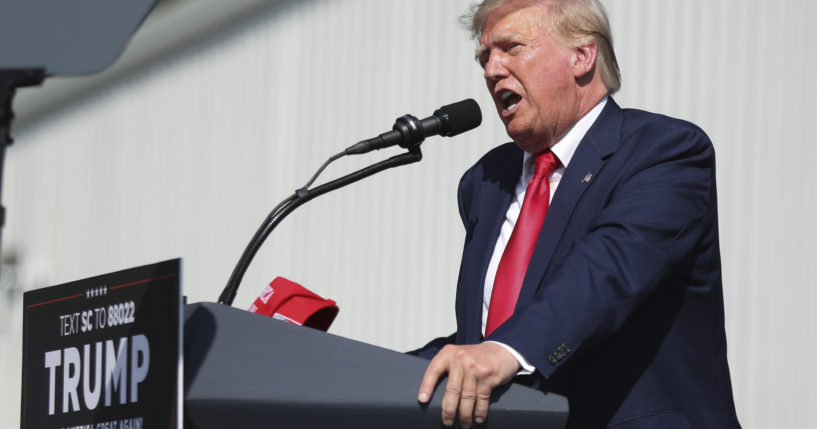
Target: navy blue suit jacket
621,309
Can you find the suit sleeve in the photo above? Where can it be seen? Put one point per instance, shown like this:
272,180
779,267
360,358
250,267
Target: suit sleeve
643,232
431,349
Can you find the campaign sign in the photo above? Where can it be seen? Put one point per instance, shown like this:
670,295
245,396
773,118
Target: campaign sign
104,352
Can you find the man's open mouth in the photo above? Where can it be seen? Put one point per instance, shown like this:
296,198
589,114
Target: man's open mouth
509,99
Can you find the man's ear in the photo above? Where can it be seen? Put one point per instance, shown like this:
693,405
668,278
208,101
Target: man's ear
584,60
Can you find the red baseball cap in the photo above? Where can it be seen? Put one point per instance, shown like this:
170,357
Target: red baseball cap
288,301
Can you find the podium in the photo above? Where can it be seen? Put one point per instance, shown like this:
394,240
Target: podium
246,370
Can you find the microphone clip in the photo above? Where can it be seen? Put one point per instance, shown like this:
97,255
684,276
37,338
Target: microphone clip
411,131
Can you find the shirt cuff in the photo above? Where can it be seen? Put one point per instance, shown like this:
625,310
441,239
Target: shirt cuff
525,368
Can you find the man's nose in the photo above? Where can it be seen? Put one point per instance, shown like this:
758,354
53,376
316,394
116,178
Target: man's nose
494,68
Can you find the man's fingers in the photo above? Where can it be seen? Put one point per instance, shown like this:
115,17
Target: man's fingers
451,398
473,371
435,370
483,400
468,398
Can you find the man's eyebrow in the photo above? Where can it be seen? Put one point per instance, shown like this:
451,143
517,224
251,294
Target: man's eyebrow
498,39
503,37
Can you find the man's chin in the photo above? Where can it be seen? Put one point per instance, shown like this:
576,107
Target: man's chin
530,145
522,138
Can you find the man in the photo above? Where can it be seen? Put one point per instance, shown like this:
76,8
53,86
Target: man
614,299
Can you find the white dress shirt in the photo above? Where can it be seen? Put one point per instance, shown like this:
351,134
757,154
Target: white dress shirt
563,149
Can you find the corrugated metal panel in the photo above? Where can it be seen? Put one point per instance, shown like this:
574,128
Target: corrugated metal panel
186,158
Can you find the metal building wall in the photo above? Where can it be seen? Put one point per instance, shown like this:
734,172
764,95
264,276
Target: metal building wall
187,156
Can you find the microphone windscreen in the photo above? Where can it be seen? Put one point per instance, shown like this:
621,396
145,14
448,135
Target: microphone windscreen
459,117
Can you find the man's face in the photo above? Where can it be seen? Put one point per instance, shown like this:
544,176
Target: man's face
530,76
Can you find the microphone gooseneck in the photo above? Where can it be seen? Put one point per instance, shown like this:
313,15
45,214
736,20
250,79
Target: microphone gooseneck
408,132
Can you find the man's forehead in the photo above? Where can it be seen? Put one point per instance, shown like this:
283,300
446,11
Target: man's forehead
511,6
508,21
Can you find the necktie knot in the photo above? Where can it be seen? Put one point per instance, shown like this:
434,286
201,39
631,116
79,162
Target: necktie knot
546,164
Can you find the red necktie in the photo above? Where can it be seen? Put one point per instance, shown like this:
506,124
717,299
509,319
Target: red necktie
515,258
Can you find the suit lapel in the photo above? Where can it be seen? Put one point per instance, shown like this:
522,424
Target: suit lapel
491,204
600,141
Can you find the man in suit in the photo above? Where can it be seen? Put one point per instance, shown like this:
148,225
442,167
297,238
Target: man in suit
591,260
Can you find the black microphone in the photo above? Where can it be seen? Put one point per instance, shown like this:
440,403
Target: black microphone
409,132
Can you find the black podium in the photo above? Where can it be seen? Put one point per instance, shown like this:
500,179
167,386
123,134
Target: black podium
246,370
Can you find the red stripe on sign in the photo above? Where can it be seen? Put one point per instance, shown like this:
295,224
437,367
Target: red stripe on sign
79,295
143,281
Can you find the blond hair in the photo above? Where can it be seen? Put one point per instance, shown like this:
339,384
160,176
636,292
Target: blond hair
573,22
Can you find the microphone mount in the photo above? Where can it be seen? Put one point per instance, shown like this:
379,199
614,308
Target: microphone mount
411,131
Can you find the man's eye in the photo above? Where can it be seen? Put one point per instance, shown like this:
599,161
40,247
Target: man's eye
483,60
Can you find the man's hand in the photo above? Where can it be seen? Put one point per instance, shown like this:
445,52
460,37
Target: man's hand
473,372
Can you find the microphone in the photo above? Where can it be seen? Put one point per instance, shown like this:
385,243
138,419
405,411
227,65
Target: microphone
409,132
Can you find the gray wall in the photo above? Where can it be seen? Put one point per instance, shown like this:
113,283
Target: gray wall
185,157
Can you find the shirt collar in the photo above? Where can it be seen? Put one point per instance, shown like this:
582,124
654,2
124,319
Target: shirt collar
565,147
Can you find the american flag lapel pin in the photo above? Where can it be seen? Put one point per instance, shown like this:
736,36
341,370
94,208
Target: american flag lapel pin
587,178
